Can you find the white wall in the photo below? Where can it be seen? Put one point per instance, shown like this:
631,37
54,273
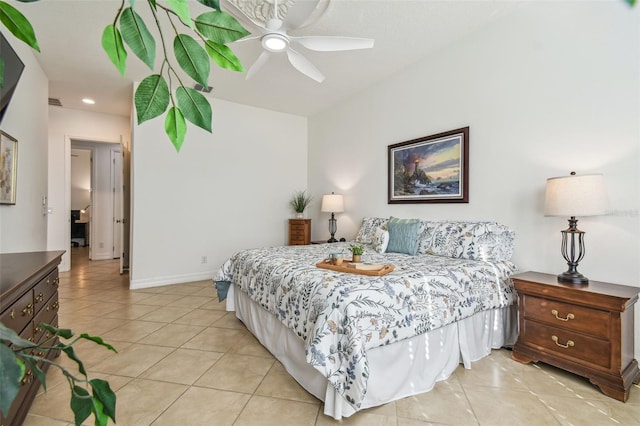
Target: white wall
23,227
67,124
550,89
221,193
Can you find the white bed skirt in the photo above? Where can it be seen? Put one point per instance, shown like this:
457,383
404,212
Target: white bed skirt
408,367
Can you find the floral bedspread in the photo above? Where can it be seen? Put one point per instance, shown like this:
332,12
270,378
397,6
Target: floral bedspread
340,315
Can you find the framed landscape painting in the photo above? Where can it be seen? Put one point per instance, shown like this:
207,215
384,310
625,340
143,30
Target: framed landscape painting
8,168
432,169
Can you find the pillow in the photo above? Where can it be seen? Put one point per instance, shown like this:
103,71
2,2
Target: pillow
367,229
380,240
403,235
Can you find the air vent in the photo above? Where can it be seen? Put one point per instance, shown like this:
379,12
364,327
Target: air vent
201,88
55,102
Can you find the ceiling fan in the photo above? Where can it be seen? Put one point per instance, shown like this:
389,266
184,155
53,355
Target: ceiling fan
275,40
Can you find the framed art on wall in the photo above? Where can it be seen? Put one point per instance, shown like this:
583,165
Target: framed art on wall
8,168
431,169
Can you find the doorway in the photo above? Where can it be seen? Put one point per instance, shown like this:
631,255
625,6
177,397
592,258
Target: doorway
105,214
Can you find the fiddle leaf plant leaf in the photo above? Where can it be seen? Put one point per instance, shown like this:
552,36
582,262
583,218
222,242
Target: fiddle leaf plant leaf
151,98
137,36
103,393
81,404
112,44
18,25
195,107
176,127
223,56
220,27
192,58
10,336
99,341
213,4
181,8
72,355
101,419
11,374
65,333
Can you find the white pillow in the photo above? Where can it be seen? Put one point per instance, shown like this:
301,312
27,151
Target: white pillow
380,240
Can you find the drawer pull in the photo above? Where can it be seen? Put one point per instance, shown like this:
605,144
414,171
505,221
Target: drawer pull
56,281
570,316
39,298
27,310
568,345
12,315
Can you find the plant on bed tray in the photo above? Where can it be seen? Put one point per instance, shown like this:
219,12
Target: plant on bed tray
356,252
299,202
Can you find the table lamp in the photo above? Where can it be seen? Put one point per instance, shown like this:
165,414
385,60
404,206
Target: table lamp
332,203
574,196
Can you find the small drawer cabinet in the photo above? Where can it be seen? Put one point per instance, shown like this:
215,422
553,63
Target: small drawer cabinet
299,232
587,330
28,296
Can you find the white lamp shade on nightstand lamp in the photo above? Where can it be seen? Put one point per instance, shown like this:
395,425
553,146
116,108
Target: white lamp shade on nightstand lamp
573,196
332,203
576,196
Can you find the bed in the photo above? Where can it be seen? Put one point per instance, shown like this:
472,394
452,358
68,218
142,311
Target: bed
357,341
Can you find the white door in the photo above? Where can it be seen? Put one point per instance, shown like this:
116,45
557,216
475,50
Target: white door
116,186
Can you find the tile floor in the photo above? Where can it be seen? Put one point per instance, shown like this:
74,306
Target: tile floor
183,360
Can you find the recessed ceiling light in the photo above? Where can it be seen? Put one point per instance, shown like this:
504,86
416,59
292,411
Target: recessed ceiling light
88,101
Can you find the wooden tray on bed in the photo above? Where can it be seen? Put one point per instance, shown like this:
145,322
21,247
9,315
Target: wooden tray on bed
352,268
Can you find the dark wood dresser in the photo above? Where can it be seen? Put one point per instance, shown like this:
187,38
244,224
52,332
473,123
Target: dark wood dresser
587,330
28,296
299,232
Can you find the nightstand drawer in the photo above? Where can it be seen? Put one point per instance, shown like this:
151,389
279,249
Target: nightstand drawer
565,315
568,344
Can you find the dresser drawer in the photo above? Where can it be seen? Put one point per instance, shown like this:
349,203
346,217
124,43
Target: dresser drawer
47,317
18,316
565,315
43,291
579,347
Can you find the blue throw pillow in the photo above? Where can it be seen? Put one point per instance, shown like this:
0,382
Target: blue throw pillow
403,235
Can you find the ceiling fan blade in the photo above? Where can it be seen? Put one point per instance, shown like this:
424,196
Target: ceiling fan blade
333,44
262,59
305,66
299,13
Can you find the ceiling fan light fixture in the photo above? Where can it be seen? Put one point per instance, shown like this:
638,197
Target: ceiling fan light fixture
275,42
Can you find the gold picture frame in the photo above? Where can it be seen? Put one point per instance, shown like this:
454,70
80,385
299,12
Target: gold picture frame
8,168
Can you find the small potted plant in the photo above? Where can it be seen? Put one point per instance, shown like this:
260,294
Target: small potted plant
299,202
356,252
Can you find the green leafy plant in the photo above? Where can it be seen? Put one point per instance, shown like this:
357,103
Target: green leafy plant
24,358
204,41
300,201
356,249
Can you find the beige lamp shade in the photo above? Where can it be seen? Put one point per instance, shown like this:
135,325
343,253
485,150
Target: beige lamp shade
332,203
575,195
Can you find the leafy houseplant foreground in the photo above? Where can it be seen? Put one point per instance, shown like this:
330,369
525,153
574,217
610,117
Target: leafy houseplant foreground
23,357
195,43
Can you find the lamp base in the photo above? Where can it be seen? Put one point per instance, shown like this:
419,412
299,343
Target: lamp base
573,278
332,240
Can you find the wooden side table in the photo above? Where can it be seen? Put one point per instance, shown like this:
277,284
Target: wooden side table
587,330
299,232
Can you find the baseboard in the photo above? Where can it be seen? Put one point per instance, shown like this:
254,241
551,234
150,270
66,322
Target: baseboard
169,280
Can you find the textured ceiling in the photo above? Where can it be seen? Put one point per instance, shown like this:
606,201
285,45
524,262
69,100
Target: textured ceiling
69,33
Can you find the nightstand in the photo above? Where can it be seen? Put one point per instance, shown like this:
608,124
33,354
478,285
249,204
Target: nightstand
299,231
587,330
